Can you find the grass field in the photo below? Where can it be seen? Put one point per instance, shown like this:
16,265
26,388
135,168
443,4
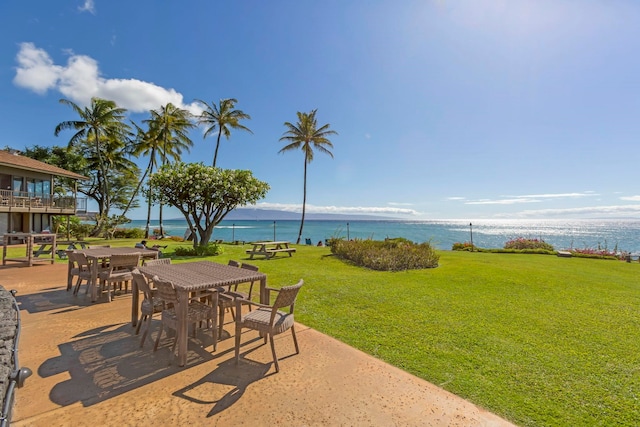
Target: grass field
536,339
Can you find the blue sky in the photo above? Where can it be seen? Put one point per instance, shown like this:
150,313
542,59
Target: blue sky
444,109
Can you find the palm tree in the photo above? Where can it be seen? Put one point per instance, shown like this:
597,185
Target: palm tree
168,126
306,135
102,121
223,118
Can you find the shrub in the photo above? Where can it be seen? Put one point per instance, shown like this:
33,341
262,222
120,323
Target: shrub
596,253
466,246
387,255
128,233
522,243
210,249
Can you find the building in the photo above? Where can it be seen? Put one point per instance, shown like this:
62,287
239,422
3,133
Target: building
27,201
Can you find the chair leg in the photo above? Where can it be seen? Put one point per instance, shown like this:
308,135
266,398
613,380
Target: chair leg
155,347
273,351
77,287
238,332
142,319
295,341
146,331
220,320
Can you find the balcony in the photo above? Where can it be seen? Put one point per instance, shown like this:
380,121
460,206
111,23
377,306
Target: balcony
21,201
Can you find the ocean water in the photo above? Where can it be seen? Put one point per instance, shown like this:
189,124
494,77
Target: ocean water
622,235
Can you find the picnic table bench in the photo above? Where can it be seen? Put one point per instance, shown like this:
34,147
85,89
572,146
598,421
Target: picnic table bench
269,249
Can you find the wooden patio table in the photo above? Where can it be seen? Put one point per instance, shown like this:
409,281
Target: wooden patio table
197,276
97,256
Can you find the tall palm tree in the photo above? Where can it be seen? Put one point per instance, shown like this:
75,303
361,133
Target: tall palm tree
223,118
169,127
306,135
100,122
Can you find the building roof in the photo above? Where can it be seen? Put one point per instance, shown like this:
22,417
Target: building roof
21,162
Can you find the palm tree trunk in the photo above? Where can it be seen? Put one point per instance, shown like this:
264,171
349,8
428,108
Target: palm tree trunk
304,201
146,228
215,155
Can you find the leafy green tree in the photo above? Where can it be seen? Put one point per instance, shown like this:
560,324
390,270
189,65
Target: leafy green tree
122,175
102,123
204,194
306,135
222,118
62,158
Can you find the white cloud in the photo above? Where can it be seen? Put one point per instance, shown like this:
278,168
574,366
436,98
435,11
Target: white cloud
557,195
614,210
365,210
502,201
88,6
80,80
527,198
456,198
36,70
631,198
400,204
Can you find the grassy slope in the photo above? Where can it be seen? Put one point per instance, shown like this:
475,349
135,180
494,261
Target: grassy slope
539,340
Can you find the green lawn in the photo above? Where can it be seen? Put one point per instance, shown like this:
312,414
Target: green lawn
537,339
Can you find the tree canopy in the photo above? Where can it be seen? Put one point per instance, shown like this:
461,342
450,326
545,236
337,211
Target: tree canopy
205,194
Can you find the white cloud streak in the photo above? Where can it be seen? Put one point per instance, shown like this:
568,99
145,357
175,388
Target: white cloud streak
631,198
365,210
527,198
614,210
80,80
88,6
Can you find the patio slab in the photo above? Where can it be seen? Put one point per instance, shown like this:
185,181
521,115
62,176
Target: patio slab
90,370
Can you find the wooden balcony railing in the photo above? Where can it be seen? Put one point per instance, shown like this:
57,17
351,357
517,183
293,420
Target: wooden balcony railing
20,200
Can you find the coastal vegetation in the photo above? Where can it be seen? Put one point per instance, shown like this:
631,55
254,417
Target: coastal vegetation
523,245
204,195
388,255
221,119
307,136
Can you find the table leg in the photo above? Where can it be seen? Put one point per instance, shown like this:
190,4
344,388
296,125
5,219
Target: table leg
135,295
94,280
264,296
69,265
182,327
214,321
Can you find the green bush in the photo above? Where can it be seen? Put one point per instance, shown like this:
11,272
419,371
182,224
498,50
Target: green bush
210,249
387,255
128,233
466,246
523,243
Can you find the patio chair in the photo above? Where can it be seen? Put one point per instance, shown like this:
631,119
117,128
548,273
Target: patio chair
268,319
81,268
150,305
197,311
227,296
119,271
244,295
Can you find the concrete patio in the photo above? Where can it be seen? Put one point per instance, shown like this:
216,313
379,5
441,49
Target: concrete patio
88,369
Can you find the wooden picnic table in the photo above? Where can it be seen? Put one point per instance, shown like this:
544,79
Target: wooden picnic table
46,243
269,249
98,256
197,276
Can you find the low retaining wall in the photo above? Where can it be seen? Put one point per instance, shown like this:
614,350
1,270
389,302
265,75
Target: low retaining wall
10,373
